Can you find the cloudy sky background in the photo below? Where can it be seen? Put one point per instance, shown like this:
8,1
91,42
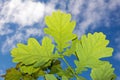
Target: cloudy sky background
21,19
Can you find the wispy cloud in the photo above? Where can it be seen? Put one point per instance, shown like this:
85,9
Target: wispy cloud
1,73
90,13
117,55
118,78
23,13
20,37
27,13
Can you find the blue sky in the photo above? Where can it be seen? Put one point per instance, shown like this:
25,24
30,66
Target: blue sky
21,19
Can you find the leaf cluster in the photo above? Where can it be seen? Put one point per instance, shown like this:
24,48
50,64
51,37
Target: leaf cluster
35,60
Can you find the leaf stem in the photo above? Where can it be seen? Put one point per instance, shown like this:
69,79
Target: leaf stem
74,73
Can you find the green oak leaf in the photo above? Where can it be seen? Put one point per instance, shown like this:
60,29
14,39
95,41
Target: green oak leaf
60,27
50,77
90,49
81,78
72,48
104,72
64,78
57,69
67,72
40,73
28,69
34,53
13,74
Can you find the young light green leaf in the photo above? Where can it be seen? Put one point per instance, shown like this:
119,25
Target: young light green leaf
28,69
60,28
72,48
64,78
34,53
104,72
91,49
81,78
67,72
50,77
55,67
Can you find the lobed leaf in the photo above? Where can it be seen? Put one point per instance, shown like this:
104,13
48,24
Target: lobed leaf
104,72
60,28
64,78
28,69
34,53
72,48
90,50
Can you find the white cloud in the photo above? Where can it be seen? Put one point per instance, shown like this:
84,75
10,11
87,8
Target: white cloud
118,78
1,72
117,39
92,12
114,4
19,37
28,12
5,30
34,31
24,13
9,42
75,6
117,55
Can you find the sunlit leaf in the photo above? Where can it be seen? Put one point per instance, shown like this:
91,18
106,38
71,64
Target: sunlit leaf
28,69
72,48
34,53
50,77
91,49
64,78
60,27
104,72
55,67
67,72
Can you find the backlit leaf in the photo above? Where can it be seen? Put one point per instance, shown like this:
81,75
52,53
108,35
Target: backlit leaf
34,53
60,27
91,49
67,72
50,77
104,72
64,78
72,48
28,69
